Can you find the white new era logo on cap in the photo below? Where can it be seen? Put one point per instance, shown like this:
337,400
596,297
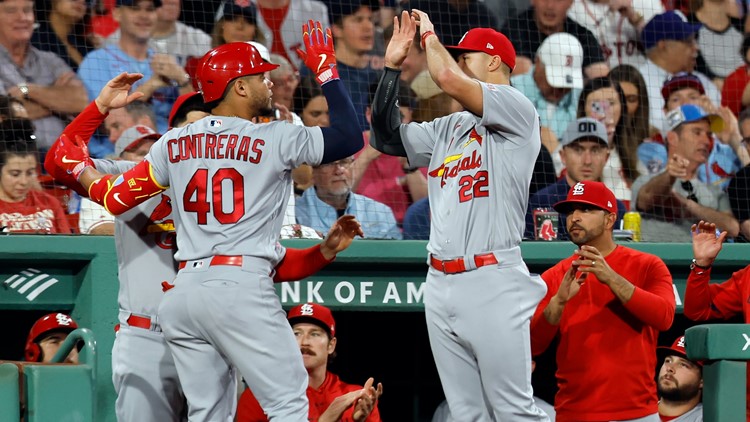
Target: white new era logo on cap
609,204
489,46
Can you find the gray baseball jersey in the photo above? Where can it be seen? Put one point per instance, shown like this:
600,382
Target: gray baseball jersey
479,171
143,371
233,180
229,173
693,415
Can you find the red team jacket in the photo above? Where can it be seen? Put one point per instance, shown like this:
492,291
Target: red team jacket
607,351
705,301
249,410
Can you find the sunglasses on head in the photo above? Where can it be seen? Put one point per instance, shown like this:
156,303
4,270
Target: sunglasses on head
688,187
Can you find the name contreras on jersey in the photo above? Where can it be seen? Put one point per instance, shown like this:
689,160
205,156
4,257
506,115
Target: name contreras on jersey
448,170
209,145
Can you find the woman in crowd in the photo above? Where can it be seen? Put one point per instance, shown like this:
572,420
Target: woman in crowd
23,206
603,100
636,99
311,106
64,29
236,24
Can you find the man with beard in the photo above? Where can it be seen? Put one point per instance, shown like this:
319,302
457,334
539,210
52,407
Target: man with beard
680,385
604,291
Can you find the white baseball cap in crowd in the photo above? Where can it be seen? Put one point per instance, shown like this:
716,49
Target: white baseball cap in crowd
132,137
562,56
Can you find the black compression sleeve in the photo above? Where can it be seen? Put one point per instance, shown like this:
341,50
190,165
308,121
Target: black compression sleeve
344,137
386,118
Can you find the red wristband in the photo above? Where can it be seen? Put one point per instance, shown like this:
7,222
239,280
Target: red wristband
424,37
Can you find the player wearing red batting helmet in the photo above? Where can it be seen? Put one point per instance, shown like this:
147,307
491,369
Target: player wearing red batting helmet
224,64
46,336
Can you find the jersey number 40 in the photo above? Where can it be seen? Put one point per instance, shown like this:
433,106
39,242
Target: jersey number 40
195,199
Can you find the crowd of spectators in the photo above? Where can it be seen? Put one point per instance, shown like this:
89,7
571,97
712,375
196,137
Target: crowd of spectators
650,98
625,64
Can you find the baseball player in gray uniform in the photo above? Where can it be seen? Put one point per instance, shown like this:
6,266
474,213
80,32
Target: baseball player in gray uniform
479,296
232,178
144,373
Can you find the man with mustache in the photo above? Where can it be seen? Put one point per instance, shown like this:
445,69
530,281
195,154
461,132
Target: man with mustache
680,384
604,291
675,199
315,331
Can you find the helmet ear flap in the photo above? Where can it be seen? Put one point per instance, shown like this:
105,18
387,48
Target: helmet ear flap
33,352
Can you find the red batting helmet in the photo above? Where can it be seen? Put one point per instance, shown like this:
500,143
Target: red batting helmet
45,324
226,63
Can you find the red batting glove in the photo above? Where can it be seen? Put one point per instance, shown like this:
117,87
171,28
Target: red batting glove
72,156
319,55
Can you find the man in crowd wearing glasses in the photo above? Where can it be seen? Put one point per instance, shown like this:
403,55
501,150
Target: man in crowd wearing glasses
332,197
675,199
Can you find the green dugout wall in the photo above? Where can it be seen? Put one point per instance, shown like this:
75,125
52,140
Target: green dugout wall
375,287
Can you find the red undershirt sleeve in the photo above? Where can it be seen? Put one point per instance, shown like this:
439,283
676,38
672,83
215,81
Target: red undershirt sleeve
300,263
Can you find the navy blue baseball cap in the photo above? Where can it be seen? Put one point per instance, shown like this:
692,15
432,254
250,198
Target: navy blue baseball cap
338,9
131,3
672,25
240,8
689,113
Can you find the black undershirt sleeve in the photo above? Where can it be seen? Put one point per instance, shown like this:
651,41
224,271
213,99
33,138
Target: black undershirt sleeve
386,118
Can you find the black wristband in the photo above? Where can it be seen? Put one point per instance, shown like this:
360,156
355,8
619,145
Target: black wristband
410,170
695,265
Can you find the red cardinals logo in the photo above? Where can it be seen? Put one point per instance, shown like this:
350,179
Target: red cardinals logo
456,163
473,137
163,210
160,226
716,168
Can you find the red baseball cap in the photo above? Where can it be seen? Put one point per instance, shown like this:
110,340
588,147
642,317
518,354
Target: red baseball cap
191,99
588,192
314,313
489,41
678,349
680,81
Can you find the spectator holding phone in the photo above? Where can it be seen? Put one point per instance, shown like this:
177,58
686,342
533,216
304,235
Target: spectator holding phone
603,100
